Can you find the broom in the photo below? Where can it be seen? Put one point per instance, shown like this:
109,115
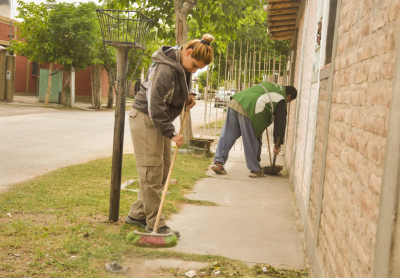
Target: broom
155,239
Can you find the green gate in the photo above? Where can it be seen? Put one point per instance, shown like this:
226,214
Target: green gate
56,85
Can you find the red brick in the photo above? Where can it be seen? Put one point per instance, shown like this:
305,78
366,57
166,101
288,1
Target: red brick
375,183
379,20
374,72
373,152
366,28
362,74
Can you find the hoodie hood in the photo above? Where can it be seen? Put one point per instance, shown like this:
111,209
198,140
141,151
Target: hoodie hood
160,58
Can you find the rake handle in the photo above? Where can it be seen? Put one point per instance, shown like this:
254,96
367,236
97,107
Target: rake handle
166,185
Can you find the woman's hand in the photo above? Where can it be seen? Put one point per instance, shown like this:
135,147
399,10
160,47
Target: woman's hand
191,101
276,151
178,139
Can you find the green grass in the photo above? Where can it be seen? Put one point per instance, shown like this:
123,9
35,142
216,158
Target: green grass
59,224
212,124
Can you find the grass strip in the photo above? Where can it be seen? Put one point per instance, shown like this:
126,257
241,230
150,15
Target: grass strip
56,225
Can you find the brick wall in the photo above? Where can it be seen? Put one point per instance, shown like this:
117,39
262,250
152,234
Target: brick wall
362,84
293,104
357,133
307,96
4,30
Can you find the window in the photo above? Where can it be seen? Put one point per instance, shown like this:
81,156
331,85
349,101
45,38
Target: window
330,31
35,68
325,29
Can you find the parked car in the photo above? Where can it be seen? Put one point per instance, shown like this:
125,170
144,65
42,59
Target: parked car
199,96
222,98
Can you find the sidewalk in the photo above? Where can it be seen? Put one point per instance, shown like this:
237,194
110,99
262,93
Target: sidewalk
33,101
254,222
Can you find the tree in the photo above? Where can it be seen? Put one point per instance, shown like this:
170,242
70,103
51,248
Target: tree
34,30
60,33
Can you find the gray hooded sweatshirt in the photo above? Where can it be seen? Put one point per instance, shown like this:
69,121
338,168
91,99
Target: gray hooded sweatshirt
165,90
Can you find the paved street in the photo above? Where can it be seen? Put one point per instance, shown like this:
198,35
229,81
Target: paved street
36,140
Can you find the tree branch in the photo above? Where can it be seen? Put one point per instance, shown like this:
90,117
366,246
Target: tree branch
189,6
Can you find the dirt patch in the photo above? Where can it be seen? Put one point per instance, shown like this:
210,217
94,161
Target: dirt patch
37,218
167,268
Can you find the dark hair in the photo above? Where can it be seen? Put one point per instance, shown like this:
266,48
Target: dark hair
290,90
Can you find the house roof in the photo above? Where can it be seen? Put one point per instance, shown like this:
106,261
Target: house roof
281,19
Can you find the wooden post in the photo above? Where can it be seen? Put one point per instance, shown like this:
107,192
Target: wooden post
122,72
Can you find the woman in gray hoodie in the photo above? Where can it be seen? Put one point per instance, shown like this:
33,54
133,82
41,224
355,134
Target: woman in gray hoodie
158,103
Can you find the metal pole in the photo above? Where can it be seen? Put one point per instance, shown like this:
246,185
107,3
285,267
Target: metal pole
240,69
245,71
265,73
232,76
248,61
269,64
212,81
273,67
250,70
116,168
279,71
254,63
259,65
226,84
216,93
254,67
206,98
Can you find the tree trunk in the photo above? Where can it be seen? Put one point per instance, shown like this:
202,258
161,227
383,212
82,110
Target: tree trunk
111,89
49,79
181,30
65,90
96,85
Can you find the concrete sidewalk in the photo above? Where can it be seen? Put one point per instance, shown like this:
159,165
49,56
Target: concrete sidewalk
254,222
33,101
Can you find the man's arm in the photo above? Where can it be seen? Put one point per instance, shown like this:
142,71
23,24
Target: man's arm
280,121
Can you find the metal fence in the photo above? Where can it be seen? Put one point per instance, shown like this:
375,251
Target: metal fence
242,70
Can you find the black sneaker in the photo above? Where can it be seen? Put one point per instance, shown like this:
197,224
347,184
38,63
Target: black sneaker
218,168
165,230
137,222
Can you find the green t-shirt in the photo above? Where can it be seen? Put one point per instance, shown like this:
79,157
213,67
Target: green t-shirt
257,103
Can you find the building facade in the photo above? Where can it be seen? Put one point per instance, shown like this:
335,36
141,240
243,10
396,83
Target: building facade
342,150
26,73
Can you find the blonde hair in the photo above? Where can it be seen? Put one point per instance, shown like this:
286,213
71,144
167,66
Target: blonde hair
201,50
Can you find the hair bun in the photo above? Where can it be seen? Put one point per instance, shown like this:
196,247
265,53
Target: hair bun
208,38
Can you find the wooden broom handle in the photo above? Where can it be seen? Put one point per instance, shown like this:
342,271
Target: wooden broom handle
166,185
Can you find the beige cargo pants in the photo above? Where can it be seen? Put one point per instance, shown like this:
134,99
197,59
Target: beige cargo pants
153,158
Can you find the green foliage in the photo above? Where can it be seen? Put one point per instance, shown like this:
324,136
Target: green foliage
64,33
34,31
